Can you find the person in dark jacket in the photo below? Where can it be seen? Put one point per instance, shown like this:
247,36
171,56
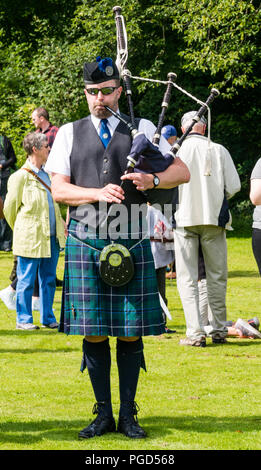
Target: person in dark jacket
7,162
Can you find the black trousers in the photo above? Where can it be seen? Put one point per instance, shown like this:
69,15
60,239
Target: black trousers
256,246
6,233
161,280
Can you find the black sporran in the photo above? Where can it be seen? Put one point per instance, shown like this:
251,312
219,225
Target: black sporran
116,265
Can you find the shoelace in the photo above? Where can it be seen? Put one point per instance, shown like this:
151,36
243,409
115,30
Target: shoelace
97,407
134,409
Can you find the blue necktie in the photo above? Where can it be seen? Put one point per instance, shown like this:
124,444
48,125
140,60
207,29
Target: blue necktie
105,134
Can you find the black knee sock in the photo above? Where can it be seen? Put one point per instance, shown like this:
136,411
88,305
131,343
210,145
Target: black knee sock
129,360
97,359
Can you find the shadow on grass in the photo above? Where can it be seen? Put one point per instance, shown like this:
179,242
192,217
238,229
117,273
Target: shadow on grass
156,427
38,350
15,332
243,274
233,341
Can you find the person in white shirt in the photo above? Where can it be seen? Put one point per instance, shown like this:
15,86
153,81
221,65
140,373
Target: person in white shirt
202,215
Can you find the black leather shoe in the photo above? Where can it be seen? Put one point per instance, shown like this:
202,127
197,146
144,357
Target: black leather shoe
169,331
219,340
99,426
129,425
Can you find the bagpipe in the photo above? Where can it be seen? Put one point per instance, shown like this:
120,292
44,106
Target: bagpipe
116,266
144,155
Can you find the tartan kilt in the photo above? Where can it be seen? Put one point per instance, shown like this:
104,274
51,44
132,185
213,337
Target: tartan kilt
91,307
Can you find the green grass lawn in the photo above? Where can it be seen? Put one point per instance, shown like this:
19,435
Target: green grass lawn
190,398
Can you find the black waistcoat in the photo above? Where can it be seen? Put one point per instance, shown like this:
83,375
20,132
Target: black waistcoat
93,166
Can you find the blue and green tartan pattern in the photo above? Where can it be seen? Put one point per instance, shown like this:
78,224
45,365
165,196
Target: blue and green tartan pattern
91,307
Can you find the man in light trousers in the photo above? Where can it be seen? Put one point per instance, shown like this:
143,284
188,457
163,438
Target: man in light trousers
202,216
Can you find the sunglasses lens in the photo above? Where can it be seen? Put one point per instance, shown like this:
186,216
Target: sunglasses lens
93,91
105,91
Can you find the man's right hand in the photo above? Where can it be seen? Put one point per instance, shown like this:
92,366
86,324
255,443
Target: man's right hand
111,193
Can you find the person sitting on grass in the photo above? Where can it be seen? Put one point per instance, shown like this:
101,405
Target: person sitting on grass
244,328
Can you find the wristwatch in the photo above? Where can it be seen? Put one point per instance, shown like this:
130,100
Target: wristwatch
156,180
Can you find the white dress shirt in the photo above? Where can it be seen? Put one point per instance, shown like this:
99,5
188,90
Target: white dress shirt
59,157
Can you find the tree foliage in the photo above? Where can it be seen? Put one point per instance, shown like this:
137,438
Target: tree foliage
206,43
221,39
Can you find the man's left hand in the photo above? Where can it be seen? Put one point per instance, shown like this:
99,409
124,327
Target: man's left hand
143,181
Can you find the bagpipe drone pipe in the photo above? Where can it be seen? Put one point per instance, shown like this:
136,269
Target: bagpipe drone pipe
144,155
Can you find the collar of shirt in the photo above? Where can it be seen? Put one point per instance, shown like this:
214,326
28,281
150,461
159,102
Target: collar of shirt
112,123
195,134
49,128
34,168
41,130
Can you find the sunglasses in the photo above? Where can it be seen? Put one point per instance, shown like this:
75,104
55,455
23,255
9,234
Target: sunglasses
108,90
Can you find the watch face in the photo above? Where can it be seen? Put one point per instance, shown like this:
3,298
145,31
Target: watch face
156,180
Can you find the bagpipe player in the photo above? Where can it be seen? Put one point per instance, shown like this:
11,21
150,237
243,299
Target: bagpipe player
88,162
